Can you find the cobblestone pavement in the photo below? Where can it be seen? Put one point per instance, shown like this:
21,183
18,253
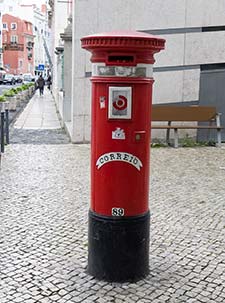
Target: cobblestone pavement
44,201
38,136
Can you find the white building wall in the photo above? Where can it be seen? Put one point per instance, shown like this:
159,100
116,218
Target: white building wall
177,68
40,32
205,13
206,47
10,7
59,22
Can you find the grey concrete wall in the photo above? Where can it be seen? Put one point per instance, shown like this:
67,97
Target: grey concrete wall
67,81
177,70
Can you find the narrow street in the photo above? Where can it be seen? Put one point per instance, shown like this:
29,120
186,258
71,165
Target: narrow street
44,201
39,123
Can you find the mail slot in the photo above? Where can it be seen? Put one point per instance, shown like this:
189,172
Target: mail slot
121,59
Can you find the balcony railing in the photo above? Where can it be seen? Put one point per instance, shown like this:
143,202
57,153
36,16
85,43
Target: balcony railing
30,45
13,47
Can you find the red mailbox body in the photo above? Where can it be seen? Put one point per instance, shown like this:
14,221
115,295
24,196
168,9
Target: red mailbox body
120,148
122,65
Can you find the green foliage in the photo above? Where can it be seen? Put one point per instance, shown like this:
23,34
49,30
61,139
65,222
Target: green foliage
184,142
24,87
156,143
190,142
19,89
9,93
210,143
2,99
14,90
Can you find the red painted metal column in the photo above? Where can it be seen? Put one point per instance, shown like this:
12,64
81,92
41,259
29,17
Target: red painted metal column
120,153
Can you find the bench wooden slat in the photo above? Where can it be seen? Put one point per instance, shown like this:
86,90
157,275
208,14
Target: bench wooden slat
183,113
170,114
186,127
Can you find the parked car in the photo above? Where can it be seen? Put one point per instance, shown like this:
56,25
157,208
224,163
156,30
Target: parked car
9,79
2,73
18,78
27,78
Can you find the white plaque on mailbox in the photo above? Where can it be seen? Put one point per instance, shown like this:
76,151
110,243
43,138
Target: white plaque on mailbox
119,102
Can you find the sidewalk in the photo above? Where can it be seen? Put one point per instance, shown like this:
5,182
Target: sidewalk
44,201
39,123
40,113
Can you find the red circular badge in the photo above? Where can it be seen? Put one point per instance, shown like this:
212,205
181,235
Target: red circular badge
120,102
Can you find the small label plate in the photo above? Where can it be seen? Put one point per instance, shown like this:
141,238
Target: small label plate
117,212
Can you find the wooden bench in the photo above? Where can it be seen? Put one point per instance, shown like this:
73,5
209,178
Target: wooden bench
173,115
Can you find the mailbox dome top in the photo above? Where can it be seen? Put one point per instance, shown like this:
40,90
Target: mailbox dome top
123,42
122,39
129,34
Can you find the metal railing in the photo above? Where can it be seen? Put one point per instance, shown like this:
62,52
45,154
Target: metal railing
4,126
47,52
13,47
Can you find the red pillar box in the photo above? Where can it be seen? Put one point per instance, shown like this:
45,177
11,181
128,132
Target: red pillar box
122,65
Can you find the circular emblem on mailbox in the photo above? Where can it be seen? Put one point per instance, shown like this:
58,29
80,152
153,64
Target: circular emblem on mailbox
120,102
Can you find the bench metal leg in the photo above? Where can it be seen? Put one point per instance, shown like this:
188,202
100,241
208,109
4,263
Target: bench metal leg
218,130
168,134
175,137
219,140
2,132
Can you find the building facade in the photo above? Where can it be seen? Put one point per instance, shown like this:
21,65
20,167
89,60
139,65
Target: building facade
7,7
39,20
38,17
18,42
190,71
59,12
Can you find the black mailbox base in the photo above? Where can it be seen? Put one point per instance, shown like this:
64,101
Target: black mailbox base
118,247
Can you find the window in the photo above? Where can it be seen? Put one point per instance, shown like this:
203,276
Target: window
4,26
13,26
10,8
14,39
20,63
